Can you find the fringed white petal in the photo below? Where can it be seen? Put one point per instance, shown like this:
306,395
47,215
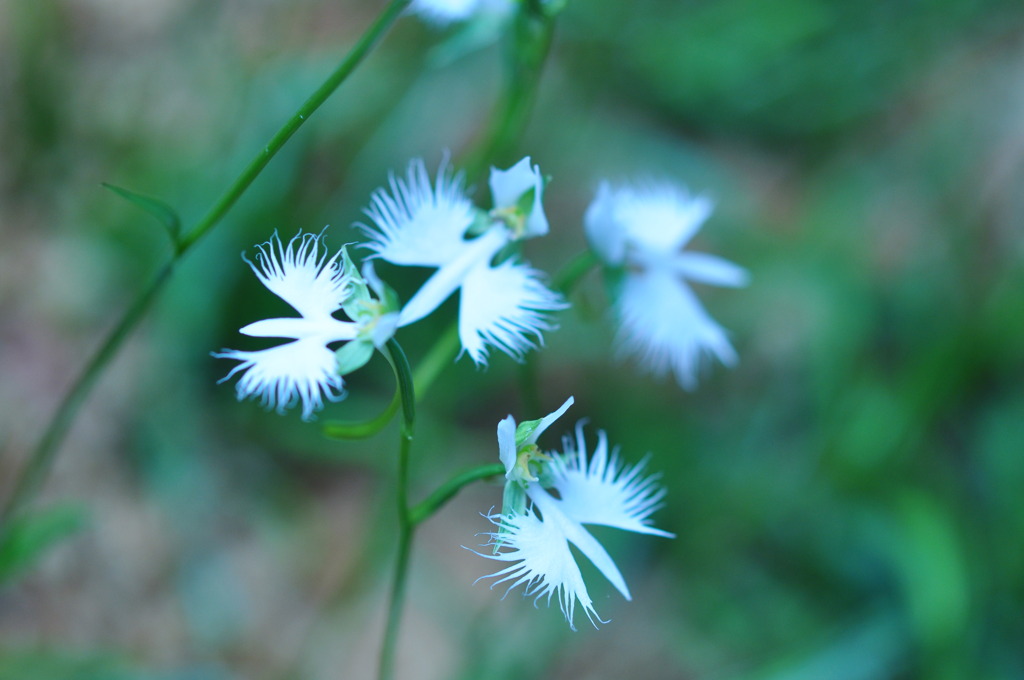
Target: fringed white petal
658,217
601,490
502,307
664,325
416,223
302,274
301,371
553,510
542,562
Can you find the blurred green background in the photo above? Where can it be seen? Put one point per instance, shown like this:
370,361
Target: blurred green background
847,500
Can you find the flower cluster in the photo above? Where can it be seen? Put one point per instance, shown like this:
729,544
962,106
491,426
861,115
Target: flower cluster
345,313
565,490
503,302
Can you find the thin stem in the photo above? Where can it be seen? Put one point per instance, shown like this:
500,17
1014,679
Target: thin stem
355,56
42,456
527,53
440,355
39,463
447,491
406,527
361,429
569,276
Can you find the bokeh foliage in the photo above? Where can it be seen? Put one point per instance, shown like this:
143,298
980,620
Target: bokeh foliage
847,500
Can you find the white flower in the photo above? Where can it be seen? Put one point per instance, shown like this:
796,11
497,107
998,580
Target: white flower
441,12
305,369
501,305
639,232
517,444
572,490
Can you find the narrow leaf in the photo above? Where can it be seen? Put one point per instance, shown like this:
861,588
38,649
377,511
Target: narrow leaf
23,542
163,213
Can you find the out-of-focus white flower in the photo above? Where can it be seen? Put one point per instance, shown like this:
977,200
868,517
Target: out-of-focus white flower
419,224
566,490
640,232
305,370
442,12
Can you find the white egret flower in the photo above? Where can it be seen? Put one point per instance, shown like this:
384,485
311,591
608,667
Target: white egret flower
316,286
639,232
415,223
567,490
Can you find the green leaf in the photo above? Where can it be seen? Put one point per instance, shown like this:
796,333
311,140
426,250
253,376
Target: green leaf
524,430
163,213
56,664
24,541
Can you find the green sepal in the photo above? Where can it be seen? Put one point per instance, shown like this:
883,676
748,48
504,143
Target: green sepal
163,213
26,538
353,355
482,221
513,502
513,499
524,430
360,292
392,303
525,202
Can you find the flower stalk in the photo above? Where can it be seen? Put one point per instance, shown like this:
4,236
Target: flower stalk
403,375
41,459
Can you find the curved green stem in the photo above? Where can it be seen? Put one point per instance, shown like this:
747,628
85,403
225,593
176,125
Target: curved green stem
361,429
406,527
447,491
42,456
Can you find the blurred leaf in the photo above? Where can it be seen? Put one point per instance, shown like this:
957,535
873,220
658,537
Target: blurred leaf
865,651
28,537
53,665
163,213
929,557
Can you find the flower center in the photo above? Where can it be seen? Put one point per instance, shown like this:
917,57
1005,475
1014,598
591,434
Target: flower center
529,460
513,217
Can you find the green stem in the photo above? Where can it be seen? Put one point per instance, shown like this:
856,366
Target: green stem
447,491
361,429
31,476
524,63
569,276
355,56
440,356
42,456
406,527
